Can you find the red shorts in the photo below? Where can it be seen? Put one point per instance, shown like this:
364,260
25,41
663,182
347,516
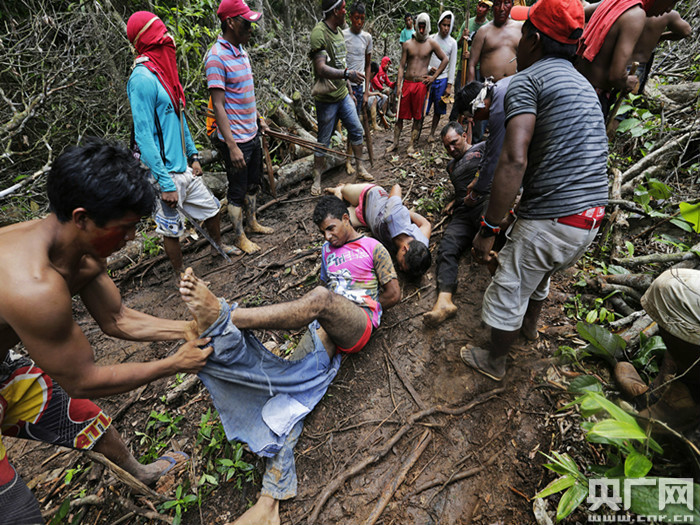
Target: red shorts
363,339
412,100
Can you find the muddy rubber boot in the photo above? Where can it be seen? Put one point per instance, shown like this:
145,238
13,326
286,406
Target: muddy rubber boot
350,170
362,172
235,213
414,137
373,117
395,145
250,217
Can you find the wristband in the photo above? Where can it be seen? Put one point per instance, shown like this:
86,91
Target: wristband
495,229
345,74
194,158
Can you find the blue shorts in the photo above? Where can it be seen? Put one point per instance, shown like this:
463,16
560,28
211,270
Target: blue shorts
437,90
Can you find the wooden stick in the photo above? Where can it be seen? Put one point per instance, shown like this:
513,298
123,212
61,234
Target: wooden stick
268,161
335,484
392,487
406,383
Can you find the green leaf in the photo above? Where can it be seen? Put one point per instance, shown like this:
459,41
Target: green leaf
611,429
592,316
617,270
637,465
604,344
583,384
691,213
630,248
682,224
628,124
571,499
555,486
170,504
645,501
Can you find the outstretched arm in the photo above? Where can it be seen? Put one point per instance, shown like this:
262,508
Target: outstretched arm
677,27
43,321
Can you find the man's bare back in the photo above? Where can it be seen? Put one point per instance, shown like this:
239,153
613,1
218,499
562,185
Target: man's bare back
608,70
494,49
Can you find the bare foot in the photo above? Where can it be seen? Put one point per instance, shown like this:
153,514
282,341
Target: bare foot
392,147
349,168
247,245
410,150
266,511
444,309
203,304
227,248
315,189
256,227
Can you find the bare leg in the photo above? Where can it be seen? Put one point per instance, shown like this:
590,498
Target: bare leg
490,361
174,253
203,304
266,511
343,320
434,125
113,448
444,309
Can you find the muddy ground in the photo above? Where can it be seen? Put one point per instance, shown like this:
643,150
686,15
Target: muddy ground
405,369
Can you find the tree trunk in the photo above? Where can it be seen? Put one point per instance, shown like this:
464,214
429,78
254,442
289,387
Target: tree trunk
294,172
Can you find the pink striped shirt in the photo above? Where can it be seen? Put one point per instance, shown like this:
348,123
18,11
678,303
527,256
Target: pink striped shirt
228,68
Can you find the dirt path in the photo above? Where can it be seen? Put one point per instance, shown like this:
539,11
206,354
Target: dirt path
405,369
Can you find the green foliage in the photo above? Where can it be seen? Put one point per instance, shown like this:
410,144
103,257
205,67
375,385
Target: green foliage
576,308
432,203
181,502
161,427
647,358
151,245
691,213
639,122
629,451
601,342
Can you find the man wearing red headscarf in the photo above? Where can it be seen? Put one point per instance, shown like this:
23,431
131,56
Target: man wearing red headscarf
163,137
606,47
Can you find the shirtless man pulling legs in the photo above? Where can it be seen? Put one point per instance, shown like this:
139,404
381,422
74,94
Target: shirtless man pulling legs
413,81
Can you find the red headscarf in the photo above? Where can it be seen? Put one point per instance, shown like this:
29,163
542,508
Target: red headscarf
156,51
597,28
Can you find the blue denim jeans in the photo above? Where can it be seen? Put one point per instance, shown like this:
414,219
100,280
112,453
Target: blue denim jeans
327,115
261,397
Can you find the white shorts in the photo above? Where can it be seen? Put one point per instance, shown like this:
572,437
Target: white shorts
534,251
194,197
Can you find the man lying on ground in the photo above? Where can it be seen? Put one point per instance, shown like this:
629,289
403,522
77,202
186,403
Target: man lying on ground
97,195
403,232
273,395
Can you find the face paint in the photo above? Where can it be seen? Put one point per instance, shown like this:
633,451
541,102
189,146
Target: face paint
422,22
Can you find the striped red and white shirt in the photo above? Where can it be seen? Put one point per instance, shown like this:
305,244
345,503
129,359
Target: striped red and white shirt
228,68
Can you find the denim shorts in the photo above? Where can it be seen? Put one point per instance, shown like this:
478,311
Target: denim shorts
328,114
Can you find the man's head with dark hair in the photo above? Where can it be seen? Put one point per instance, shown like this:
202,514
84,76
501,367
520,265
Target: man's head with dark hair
357,7
408,19
332,218
550,47
103,178
454,139
464,98
416,260
333,7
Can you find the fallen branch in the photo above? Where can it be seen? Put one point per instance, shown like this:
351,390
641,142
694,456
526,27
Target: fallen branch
463,474
341,478
659,258
92,499
148,514
392,487
654,157
404,380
